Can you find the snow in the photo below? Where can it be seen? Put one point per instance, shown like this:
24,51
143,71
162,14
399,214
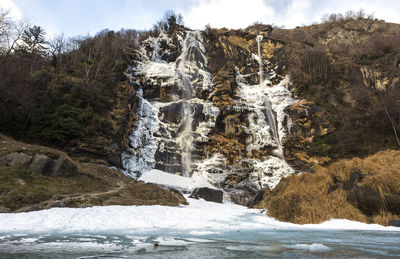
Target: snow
173,180
269,172
200,217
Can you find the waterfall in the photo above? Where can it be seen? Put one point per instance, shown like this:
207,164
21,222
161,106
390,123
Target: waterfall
156,56
270,113
186,137
259,39
166,133
177,119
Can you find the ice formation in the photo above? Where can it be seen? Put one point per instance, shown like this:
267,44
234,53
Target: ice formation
178,118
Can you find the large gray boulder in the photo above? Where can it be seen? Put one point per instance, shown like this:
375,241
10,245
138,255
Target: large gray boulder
63,166
207,194
17,159
40,164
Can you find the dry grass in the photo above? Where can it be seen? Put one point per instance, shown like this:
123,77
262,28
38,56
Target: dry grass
384,217
317,197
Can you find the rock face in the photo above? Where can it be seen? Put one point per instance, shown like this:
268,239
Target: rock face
40,163
216,125
207,194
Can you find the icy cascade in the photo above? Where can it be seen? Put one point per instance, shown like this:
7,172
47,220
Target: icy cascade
259,39
186,137
172,116
270,113
142,141
268,123
176,117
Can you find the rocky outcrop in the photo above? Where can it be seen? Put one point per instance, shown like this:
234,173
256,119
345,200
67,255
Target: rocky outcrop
207,194
40,163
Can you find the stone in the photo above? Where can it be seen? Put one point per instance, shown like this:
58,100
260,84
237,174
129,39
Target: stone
259,196
172,113
63,166
30,208
57,204
17,159
207,194
394,223
41,164
4,210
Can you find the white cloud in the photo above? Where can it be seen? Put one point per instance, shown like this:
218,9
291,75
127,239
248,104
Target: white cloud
289,13
10,6
227,13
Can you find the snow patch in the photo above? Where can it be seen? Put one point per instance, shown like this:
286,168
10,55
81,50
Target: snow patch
187,184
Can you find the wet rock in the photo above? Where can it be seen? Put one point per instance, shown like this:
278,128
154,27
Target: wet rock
207,194
172,113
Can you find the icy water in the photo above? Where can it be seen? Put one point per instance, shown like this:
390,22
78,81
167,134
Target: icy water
243,244
199,230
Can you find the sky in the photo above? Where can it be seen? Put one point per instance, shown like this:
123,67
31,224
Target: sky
80,17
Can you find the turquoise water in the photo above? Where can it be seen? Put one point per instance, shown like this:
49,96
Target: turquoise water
177,244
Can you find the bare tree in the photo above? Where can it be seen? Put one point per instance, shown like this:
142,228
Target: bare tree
56,47
10,34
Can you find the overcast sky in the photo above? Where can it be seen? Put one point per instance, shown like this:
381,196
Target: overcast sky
74,17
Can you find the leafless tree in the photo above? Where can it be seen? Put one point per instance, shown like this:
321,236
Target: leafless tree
56,46
11,33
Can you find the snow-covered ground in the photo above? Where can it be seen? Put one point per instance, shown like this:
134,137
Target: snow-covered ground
198,218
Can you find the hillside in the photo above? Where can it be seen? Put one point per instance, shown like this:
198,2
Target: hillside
242,109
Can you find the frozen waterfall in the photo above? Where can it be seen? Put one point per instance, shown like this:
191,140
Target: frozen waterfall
176,117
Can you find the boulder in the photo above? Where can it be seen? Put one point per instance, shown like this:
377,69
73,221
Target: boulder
207,194
17,159
63,166
394,223
41,164
4,210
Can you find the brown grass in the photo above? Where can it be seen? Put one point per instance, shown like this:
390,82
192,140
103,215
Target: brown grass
312,198
384,217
